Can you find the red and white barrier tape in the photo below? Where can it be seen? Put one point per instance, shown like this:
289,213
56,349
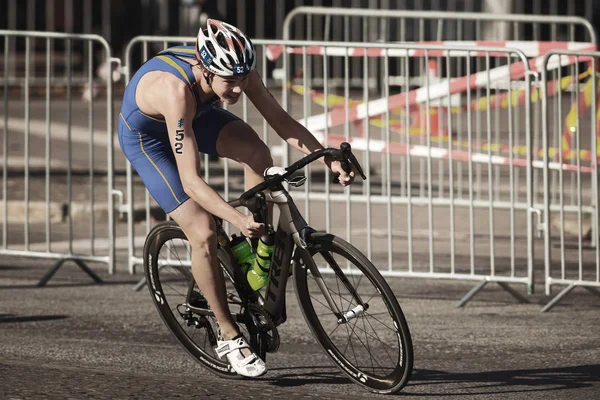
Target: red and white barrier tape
379,146
529,48
435,91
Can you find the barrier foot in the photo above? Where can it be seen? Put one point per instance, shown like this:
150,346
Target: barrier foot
513,292
471,293
141,283
558,297
593,290
59,264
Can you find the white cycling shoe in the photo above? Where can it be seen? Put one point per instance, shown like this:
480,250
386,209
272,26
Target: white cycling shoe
251,366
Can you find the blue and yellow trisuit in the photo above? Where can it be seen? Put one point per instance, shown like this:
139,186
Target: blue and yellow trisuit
144,138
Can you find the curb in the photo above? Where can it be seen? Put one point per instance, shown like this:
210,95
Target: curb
57,212
38,211
80,212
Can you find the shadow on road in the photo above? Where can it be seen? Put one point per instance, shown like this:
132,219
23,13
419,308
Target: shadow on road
72,284
11,318
477,383
314,375
528,380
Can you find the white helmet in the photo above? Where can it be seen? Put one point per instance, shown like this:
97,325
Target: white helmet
224,49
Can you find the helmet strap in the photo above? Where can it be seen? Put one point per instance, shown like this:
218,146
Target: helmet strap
207,75
208,78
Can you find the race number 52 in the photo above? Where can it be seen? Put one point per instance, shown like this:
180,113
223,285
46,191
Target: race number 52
179,141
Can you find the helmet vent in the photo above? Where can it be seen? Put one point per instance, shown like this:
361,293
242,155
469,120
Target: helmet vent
230,59
211,49
238,50
222,41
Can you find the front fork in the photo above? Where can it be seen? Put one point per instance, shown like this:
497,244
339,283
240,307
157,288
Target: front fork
304,257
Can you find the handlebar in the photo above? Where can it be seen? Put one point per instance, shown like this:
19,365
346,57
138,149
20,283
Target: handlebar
343,155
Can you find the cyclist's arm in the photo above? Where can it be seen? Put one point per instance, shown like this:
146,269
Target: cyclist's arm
286,127
176,104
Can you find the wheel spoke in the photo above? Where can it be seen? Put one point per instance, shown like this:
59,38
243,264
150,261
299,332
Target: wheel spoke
162,268
389,327
334,329
380,341
351,302
367,340
331,260
321,303
361,342
350,341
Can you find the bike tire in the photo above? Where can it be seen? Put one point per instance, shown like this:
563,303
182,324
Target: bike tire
157,239
333,249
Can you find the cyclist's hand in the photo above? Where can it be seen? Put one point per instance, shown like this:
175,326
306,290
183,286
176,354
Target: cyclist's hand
250,228
344,177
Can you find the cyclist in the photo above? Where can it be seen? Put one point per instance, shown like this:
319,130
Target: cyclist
169,114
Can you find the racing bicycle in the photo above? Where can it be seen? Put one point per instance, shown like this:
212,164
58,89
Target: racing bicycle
348,305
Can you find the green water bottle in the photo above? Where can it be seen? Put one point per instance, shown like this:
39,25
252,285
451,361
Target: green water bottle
258,275
242,252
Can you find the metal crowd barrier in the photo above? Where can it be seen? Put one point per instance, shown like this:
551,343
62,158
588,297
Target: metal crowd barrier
548,32
385,216
383,26
571,195
424,232
423,26
54,173
431,247
429,25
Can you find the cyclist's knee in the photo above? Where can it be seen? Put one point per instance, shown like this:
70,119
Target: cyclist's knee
202,237
259,157
239,142
197,224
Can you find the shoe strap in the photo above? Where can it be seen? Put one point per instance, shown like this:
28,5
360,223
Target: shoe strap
238,342
248,360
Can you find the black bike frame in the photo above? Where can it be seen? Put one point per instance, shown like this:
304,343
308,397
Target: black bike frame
290,242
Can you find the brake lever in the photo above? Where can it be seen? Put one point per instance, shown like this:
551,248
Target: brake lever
356,165
346,166
348,160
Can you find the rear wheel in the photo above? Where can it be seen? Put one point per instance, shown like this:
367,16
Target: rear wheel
354,314
179,301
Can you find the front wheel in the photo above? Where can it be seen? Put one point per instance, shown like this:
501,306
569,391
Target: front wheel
354,314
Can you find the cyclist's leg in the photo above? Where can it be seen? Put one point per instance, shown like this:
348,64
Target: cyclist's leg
239,142
221,132
208,129
155,163
199,227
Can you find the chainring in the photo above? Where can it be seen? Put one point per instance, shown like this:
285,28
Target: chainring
264,323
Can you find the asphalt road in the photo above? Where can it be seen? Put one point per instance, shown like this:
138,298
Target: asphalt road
75,340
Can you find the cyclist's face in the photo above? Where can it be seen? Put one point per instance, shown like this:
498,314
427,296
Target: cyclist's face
229,88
